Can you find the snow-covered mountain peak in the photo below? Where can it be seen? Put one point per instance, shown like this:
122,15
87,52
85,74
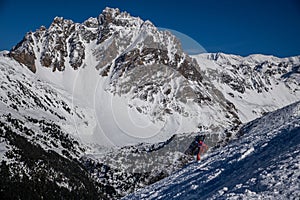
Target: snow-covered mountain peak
66,43
110,11
91,22
114,16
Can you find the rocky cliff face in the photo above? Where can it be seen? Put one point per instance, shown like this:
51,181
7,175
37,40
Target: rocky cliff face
51,47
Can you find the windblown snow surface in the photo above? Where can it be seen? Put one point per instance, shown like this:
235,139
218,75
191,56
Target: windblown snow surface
262,163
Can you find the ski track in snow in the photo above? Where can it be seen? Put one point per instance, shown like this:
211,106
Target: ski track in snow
264,162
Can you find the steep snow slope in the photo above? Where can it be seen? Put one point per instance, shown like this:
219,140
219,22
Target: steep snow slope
38,106
255,84
262,163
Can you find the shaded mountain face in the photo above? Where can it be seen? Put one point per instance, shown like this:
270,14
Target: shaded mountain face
107,97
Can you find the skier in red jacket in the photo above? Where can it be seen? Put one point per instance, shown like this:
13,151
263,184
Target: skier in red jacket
202,147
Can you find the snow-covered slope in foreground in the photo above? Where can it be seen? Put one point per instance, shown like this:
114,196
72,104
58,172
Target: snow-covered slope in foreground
263,163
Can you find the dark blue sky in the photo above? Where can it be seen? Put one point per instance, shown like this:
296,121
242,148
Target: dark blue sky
230,26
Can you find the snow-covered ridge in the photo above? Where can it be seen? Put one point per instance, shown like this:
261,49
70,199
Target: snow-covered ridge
223,58
255,84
